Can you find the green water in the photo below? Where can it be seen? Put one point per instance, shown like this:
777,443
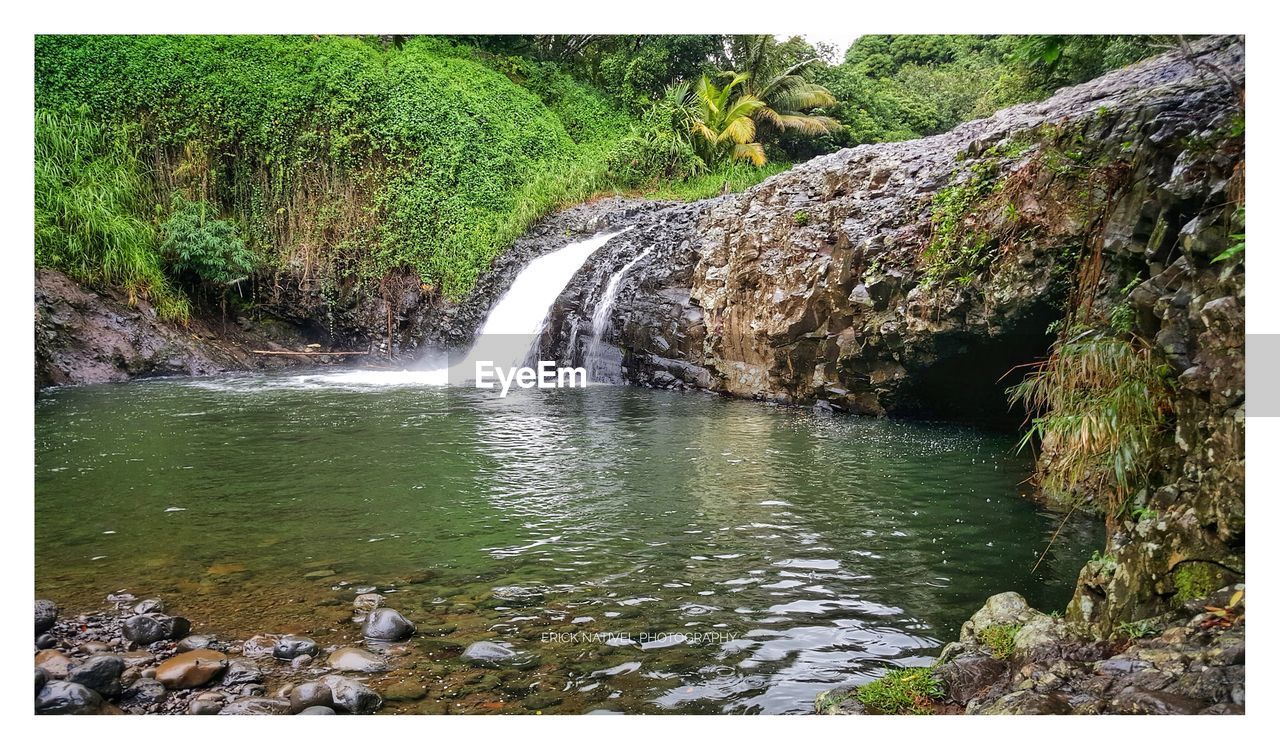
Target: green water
815,551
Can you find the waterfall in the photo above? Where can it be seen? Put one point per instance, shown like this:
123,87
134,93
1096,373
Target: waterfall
510,333
594,359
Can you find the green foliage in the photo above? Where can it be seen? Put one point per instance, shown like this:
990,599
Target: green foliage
436,160
199,248
89,199
902,691
1140,629
1238,238
999,639
1100,402
958,249
1194,580
800,218
718,120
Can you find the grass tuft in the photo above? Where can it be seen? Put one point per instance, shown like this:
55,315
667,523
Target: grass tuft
902,691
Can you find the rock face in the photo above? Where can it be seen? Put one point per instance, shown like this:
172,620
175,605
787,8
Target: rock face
88,337
881,279
1184,662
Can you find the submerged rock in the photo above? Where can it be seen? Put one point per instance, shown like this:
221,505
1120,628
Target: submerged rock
352,696
494,654
356,660
386,624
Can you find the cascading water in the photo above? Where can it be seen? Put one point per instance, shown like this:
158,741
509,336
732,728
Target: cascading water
510,333
598,369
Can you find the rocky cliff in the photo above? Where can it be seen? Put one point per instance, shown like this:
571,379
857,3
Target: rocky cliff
912,278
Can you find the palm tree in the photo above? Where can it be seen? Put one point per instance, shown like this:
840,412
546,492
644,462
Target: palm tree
718,119
786,94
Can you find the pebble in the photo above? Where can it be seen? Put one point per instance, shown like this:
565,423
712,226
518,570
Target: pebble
317,711
145,691
193,642
241,672
148,607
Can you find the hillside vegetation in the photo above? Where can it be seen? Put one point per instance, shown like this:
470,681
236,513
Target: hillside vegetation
178,167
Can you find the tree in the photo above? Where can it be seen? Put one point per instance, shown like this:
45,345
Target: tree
775,77
719,119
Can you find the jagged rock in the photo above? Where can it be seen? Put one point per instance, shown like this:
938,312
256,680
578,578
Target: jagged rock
352,696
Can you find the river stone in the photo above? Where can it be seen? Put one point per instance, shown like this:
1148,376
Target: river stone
386,624
356,660
93,648
309,695
99,673
404,690
55,663
148,607
352,696
191,669
61,697
41,678
193,642
317,711
202,707
492,654
242,672
364,604
147,629
255,706
1008,608
46,640
290,647
258,645
46,615
145,691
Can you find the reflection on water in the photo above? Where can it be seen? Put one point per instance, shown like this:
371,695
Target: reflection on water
816,551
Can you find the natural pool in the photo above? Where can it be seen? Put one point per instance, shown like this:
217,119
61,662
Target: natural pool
800,551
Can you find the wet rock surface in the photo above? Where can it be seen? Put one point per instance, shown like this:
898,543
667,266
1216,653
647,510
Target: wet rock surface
1190,661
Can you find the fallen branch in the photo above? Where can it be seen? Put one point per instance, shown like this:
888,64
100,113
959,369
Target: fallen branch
306,354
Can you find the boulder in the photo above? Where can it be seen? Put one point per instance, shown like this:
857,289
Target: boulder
385,624
62,697
150,628
256,706
46,615
99,673
191,669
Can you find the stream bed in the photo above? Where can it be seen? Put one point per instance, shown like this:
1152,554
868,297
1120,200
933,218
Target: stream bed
649,551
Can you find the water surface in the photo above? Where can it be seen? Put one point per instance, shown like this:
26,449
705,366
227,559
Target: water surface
785,552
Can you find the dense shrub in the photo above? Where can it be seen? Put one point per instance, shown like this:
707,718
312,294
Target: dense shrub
89,210
199,248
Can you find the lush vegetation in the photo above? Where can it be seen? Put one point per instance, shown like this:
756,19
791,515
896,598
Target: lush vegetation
999,639
166,163
902,691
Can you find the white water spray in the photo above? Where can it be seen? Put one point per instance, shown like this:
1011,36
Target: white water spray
510,333
594,358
